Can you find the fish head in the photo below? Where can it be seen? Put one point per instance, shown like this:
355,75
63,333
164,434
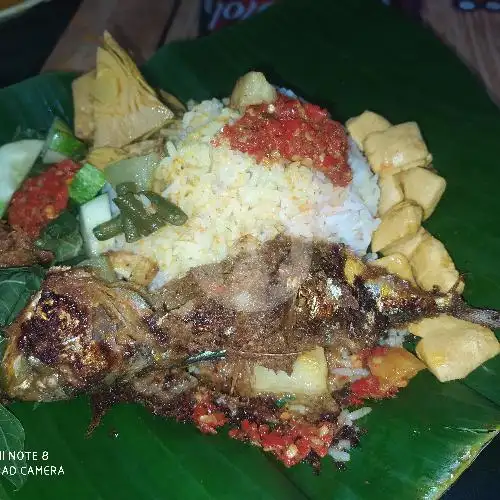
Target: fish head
76,333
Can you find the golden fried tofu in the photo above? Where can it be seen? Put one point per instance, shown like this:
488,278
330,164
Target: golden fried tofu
407,245
361,126
400,221
397,264
250,89
424,187
83,105
452,348
433,267
398,148
132,267
391,193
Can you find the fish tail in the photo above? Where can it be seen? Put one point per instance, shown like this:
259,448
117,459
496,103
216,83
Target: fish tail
486,317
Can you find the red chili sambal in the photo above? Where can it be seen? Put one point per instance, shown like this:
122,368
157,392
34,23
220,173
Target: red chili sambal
41,198
294,131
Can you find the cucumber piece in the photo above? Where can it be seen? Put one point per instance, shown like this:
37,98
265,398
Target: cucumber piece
138,170
62,144
92,214
86,183
16,160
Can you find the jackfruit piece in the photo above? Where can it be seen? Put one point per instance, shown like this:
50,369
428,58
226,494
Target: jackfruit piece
102,157
250,89
126,107
391,193
407,245
83,104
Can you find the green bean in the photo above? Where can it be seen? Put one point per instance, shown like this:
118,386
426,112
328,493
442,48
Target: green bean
135,211
108,229
131,231
166,209
126,187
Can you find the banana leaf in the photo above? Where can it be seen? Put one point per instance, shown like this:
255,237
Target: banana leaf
348,56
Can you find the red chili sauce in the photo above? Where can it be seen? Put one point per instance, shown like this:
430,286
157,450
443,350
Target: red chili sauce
42,198
294,131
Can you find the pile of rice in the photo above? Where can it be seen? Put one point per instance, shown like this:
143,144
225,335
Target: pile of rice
228,195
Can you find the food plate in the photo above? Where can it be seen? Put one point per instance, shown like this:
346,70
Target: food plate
418,443
18,9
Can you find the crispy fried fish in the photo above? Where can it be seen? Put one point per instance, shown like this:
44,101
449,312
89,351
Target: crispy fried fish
80,334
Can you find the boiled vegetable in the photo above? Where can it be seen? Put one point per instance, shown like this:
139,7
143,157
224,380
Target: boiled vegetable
125,106
126,187
16,160
167,210
83,87
62,144
102,157
407,245
86,183
109,229
92,214
101,266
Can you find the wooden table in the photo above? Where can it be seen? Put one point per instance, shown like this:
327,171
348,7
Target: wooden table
142,26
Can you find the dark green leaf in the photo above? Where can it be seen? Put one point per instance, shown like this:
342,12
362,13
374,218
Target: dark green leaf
16,287
11,441
62,237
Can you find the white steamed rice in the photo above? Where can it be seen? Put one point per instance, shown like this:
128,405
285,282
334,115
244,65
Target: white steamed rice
228,195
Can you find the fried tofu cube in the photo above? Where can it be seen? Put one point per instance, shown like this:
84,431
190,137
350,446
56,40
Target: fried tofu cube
398,148
397,264
132,267
424,187
361,126
250,89
407,245
400,221
433,267
452,348
391,193
308,377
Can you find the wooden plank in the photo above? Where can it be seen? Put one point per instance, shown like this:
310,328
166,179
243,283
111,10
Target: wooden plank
138,26
474,35
186,22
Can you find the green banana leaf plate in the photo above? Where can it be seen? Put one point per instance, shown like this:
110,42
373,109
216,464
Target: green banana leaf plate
348,56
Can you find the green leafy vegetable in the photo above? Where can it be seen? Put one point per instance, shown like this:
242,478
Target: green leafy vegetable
62,237
17,284
86,183
12,441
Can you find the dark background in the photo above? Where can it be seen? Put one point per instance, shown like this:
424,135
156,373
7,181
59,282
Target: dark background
26,42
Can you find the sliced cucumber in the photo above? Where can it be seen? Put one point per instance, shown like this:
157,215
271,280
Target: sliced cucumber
92,214
62,144
16,160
